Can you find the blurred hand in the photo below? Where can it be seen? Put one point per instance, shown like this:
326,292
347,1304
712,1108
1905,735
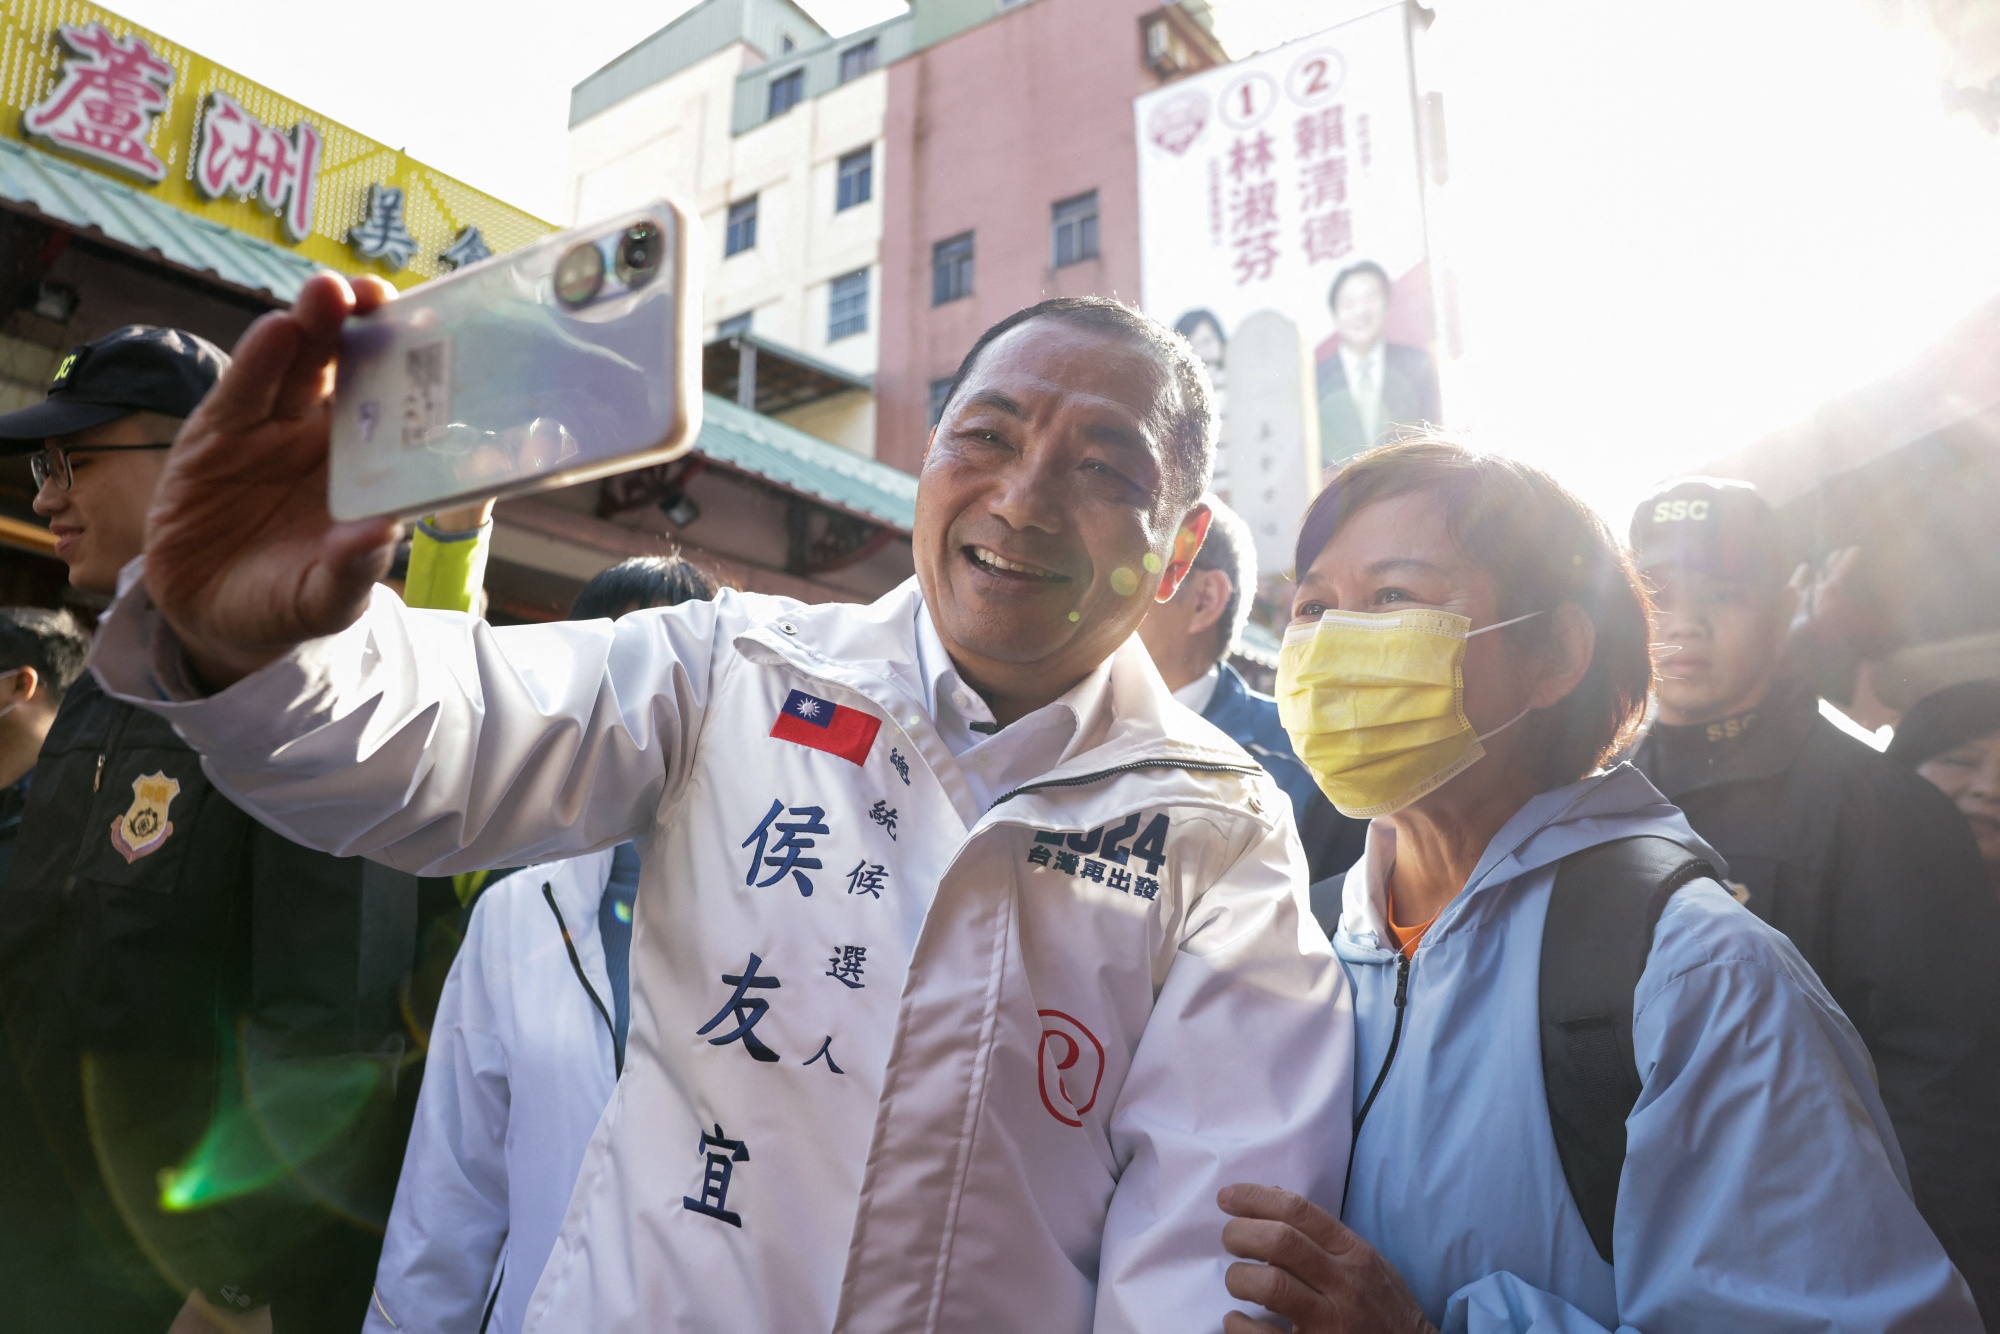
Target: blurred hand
242,557
198,1316
1836,606
464,518
1313,1271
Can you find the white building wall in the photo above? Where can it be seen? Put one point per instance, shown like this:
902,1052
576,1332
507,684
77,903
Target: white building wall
673,139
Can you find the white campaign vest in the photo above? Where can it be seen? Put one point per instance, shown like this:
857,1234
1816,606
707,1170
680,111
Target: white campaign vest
1078,1014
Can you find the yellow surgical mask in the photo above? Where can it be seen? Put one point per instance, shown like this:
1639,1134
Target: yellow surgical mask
1375,705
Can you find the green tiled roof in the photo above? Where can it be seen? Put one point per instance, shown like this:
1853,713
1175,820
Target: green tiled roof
89,202
790,458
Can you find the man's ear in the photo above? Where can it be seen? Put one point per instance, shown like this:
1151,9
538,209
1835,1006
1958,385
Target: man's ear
1187,543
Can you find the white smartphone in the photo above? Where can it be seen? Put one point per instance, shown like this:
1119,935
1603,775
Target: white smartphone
575,357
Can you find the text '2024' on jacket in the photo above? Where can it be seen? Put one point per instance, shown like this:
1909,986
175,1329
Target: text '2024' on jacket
1762,1191
1078,1013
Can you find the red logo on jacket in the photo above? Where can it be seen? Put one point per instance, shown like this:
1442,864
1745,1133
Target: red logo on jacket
1072,1066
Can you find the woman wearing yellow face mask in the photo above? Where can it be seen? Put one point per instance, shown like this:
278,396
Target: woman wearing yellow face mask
1593,1092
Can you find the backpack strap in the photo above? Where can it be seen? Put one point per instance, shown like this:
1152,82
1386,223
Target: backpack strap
1606,902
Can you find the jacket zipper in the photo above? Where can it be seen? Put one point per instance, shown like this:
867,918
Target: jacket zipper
617,1057
1388,1059
1083,780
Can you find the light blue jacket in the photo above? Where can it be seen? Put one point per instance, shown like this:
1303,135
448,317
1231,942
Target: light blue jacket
1763,1189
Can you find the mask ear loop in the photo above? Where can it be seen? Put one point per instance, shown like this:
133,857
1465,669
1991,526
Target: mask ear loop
1502,625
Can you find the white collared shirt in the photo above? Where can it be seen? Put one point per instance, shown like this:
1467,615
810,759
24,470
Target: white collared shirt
1367,406
1197,693
998,762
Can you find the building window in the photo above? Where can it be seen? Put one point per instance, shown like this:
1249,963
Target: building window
856,181
847,305
787,91
786,45
856,61
940,391
733,326
951,269
1073,229
742,233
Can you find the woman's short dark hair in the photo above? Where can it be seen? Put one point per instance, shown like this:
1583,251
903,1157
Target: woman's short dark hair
1544,547
643,581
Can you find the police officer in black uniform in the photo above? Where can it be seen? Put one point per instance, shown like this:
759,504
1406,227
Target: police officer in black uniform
201,1016
1870,871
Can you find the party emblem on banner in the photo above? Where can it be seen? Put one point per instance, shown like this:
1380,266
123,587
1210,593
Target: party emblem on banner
1178,121
144,826
1072,1066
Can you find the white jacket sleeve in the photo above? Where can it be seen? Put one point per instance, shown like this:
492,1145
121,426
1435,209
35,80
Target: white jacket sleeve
1763,1191
1244,1073
436,743
449,1222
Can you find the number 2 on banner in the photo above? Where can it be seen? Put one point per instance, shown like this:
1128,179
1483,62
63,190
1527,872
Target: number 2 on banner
1248,100
1316,78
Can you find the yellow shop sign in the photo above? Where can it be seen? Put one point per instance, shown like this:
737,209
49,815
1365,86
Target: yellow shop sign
80,81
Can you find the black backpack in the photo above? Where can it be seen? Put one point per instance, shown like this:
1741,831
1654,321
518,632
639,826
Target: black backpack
1606,902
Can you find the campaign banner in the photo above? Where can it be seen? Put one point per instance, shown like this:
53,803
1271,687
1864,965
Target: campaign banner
1282,230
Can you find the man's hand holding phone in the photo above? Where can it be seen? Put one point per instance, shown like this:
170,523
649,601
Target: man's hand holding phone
242,556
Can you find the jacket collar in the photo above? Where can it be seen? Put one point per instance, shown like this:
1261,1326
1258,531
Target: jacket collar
1762,743
873,651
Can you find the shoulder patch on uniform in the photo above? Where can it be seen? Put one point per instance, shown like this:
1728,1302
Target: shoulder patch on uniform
144,826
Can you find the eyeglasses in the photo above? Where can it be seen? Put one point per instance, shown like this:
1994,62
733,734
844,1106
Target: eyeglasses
51,463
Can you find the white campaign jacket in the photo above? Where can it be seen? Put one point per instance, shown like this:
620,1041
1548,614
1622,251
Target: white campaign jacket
519,1069
895,1063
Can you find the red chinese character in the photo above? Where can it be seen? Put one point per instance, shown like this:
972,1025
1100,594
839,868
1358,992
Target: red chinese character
1255,255
1251,155
1320,132
1322,183
241,155
104,104
1329,236
1253,207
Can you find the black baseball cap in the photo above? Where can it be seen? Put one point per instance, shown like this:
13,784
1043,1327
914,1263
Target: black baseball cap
1719,527
139,368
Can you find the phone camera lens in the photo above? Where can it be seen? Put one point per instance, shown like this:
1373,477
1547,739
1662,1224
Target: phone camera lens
639,254
579,273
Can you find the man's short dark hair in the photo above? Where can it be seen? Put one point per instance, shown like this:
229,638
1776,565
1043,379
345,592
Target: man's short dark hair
1366,266
54,643
1231,549
1191,421
643,581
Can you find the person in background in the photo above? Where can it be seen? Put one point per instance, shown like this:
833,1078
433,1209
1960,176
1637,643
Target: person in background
41,654
528,1044
1951,737
1368,385
1869,870
1468,646
178,981
1191,637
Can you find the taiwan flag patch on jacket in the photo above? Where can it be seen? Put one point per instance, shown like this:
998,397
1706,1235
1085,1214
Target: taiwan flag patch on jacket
824,725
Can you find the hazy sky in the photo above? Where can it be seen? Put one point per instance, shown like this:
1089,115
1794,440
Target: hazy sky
1676,227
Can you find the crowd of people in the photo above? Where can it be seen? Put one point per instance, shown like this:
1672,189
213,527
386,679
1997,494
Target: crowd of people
987,957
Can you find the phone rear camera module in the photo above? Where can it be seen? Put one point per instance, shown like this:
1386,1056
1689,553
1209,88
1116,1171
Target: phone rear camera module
579,274
639,251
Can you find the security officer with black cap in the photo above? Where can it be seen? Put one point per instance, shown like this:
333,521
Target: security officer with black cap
1868,869
198,1083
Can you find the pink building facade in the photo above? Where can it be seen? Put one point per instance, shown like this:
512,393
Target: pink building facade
1016,135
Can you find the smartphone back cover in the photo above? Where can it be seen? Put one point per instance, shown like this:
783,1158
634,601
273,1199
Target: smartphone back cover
485,384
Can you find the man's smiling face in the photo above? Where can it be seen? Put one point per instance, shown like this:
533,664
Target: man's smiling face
1043,528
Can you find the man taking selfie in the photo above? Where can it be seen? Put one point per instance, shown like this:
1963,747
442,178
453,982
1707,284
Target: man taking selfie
983,967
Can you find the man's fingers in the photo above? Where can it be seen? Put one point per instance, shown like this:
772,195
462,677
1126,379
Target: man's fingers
1282,1245
371,292
322,306
1235,1322
1244,1200
1274,1290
